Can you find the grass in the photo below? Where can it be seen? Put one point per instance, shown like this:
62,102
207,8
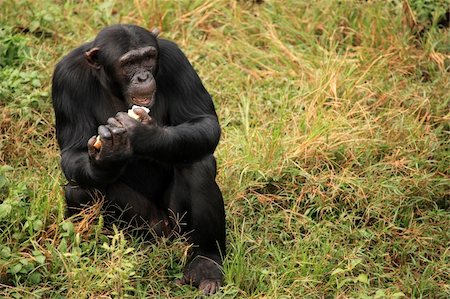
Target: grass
334,159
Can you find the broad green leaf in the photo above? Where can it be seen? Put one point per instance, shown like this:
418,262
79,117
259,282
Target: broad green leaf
5,210
338,271
15,269
363,278
40,259
35,277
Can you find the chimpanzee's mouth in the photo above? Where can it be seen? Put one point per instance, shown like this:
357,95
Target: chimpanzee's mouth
143,100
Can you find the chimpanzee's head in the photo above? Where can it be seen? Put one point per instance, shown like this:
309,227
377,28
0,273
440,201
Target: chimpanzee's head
125,60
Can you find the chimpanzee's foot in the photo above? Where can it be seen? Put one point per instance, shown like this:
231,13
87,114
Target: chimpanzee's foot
204,273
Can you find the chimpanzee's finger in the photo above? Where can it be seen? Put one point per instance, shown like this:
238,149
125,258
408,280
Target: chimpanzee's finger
143,116
104,132
125,119
92,140
114,122
118,136
116,130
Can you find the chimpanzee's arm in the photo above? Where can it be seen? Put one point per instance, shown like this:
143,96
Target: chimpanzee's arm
185,142
74,93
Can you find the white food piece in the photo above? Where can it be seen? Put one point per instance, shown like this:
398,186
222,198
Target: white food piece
134,115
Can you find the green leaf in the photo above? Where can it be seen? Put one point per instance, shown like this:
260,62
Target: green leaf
36,83
62,247
5,210
15,269
3,181
40,259
24,261
129,250
67,226
5,252
37,225
5,168
34,25
106,246
380,294
338,271
343,282
363,278
355,262
35,277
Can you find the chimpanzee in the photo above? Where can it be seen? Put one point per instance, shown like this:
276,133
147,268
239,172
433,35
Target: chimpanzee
158,169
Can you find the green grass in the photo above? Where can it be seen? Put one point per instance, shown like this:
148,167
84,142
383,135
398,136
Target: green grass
334,159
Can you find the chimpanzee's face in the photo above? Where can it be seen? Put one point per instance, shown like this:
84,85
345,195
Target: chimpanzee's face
135,72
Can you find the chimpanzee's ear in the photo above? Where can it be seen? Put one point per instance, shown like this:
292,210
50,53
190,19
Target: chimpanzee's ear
92,56
155,31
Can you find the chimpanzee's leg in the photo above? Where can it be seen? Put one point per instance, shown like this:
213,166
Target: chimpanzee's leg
122,204
78,198
137,211
196,192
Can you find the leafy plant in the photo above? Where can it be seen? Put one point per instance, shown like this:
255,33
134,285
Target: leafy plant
431,12
13,48
4,185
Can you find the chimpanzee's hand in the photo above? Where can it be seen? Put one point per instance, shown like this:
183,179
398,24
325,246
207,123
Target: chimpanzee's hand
122,119
143,116
115,145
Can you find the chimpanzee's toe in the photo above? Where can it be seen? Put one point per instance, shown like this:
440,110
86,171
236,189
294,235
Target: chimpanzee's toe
204,273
